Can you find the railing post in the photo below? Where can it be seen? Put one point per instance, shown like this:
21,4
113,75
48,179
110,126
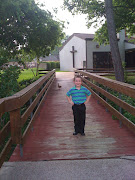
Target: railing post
106,98
15,124
97,91
31,115
120,110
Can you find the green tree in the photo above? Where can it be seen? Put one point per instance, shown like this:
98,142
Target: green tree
26,32
8,81
123,13
24,26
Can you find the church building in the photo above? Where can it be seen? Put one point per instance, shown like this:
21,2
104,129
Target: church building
80,51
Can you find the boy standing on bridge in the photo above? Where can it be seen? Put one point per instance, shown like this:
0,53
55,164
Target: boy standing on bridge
78,96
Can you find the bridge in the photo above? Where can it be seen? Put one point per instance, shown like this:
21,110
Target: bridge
43,131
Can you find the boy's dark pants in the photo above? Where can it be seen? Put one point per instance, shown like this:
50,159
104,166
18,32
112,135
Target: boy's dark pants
79,112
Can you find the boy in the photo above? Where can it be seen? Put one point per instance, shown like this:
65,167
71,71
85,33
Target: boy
78,96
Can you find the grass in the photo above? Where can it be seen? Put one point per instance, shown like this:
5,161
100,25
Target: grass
129,79
27,74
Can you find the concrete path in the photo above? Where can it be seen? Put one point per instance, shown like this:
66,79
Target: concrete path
98,169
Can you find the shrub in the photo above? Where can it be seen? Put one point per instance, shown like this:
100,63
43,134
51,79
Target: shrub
26,82
52,65
8,81
48,66
57,64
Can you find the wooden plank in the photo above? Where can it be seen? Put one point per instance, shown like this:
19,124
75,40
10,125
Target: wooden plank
96,69
5,132
5,151
113,98
9,103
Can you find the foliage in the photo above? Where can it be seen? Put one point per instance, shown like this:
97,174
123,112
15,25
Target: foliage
52,65
127,99
3,57
26,32
101,11
12,27
8,81
124,15
25,82
129,77
24,25
26,74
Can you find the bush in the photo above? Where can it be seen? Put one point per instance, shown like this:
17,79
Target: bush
8,81
48,66
52,65
26,82
57,64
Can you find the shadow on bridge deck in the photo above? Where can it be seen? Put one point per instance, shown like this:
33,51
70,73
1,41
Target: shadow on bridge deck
52,136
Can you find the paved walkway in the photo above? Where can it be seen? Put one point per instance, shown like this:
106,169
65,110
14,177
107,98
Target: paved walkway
96,169
52,137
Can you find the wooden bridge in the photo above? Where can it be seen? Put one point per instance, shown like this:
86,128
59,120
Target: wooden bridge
44,128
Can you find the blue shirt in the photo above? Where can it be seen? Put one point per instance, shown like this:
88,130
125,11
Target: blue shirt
78,95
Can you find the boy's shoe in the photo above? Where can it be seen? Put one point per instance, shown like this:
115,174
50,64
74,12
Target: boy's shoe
83,134
75,133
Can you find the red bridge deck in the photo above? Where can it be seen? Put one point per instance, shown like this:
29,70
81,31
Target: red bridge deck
52,136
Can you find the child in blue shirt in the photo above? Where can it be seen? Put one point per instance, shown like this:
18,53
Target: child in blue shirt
78,96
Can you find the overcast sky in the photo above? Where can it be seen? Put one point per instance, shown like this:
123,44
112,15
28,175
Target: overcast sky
77,23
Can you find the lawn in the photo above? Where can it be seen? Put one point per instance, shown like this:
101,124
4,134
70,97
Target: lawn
27,74
129,79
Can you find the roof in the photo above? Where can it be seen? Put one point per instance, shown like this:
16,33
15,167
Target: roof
50,58
84,36
79,35
130,40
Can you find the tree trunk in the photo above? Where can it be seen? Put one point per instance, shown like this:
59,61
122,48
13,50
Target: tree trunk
37,66
117,63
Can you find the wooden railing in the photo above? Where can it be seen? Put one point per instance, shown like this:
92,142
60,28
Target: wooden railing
106,70
22,109
101,89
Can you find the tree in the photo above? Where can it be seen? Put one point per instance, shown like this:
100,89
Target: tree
45,36
117,63
25,26
25,31
12,31
124,17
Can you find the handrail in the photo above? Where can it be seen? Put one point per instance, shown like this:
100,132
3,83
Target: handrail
28,100
95,82
105,70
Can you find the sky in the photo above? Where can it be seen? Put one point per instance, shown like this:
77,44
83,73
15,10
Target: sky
77,23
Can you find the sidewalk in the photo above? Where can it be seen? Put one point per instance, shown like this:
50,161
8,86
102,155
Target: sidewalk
97,169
